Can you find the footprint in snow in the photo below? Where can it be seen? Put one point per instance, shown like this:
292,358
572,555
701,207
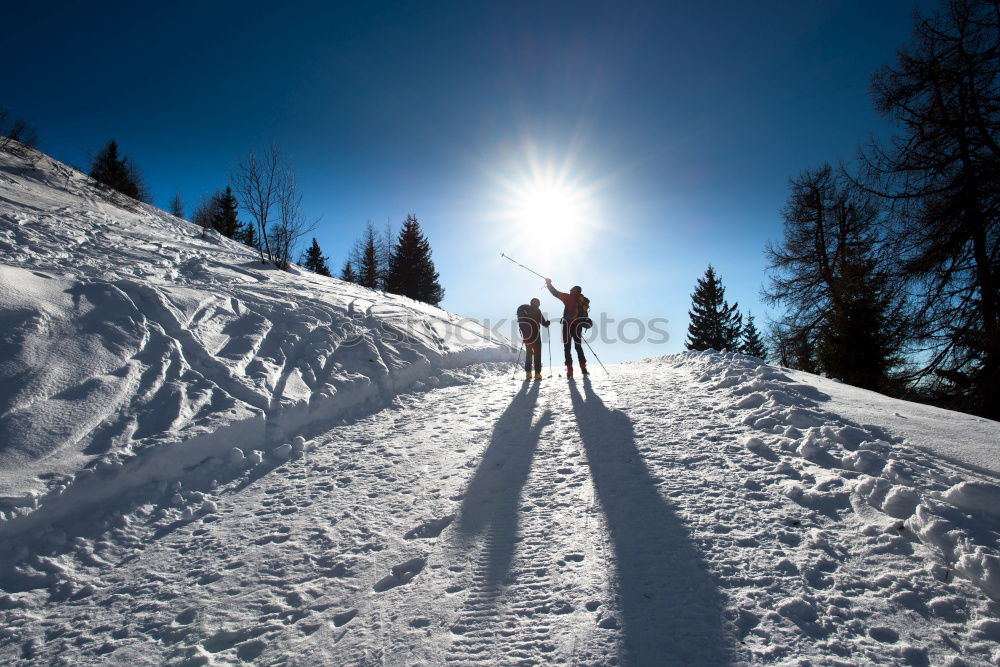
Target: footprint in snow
344,617
186,617
430,529
401,574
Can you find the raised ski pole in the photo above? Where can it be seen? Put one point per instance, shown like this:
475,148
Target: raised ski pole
522,265
595,354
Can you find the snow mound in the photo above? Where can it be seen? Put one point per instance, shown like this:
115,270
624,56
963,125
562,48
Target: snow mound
937,494
134,346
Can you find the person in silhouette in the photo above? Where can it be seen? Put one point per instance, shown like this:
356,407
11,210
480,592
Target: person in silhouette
575,320
530,322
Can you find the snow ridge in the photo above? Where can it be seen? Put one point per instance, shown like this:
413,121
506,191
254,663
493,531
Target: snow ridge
136,346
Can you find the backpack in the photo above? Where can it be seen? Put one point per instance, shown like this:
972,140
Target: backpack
583,310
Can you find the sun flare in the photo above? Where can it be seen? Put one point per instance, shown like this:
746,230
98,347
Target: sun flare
548,210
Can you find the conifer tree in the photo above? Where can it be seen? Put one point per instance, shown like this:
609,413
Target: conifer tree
347,273
118,173
224,217
313,260
177,206
366,258
247,235
714,323
411,270
752,342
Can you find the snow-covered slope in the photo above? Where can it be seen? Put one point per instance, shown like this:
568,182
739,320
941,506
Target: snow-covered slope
132,347
242,465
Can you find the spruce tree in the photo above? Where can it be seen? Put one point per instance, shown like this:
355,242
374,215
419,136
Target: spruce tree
411,270
113,170
347,273
367,259
247,235
714,323
752,342
224,217
313,260
177,206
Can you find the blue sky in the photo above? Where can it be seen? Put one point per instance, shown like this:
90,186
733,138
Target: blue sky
677,124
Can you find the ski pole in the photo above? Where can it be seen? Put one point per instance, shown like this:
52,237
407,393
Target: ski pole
522,265
550,350
595,354
516,361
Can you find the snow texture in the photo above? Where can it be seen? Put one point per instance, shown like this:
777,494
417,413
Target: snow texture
134,347
199,470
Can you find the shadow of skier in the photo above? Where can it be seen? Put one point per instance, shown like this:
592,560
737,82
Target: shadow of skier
491,498
671,610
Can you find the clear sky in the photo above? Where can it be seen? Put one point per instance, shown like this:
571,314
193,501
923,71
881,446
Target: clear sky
656,137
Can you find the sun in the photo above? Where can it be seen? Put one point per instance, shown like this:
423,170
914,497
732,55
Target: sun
547,209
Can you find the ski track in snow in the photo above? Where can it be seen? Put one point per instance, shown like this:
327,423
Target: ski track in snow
134,344
619,521
209,462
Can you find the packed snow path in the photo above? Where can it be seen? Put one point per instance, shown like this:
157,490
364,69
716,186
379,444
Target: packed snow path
631,520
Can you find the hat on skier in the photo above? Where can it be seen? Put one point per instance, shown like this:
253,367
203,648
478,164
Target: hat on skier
535,302
576,289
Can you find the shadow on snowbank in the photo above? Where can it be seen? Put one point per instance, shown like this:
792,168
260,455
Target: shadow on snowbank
492,496
671,610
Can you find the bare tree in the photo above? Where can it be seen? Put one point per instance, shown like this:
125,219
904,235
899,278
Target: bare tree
17,130
941,173
286,232
257,181
203,214
831,274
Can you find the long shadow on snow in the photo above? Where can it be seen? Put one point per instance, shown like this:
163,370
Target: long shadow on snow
671,609
492,496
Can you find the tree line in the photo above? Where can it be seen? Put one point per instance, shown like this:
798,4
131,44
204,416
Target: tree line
263,187
888,271
715,325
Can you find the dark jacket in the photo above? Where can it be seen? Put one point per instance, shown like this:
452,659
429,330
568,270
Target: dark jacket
530,321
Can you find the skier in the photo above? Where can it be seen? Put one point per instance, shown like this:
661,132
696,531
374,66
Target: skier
530,321
575,320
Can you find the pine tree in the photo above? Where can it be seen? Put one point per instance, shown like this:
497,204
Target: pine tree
366,258
313,260
112,170
118,173
177,206
752,342
411,270
714,323
224,217
247,235
347,273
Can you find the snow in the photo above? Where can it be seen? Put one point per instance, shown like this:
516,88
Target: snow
197,468
133,347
